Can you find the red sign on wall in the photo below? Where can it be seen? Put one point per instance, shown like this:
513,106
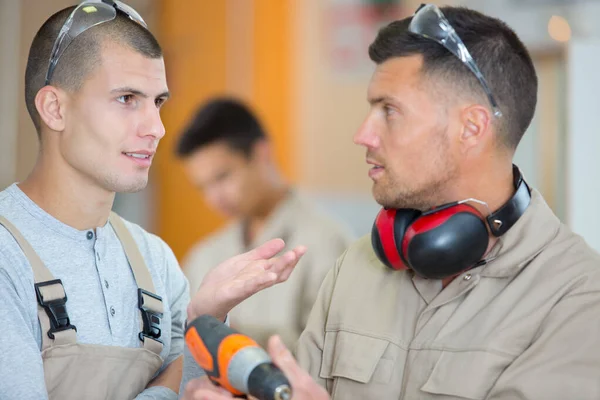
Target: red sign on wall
351,26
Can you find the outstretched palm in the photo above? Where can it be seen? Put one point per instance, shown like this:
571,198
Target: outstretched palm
239,277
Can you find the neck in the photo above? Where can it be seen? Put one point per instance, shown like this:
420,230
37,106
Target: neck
495,187
492,184
269,202
67,195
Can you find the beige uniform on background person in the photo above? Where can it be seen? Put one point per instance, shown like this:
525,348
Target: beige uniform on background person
506,330
229,157
281,309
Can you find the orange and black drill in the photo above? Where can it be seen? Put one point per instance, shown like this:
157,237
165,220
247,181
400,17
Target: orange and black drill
235,361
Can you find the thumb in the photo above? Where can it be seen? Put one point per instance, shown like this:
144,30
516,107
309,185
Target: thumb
284,359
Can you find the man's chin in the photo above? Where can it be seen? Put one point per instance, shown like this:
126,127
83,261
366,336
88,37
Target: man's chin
382,200
391,201
131,187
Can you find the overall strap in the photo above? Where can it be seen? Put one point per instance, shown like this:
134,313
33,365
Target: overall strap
149,304
50,293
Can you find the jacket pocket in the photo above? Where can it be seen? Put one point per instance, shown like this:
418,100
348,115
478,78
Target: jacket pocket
466,374
354,365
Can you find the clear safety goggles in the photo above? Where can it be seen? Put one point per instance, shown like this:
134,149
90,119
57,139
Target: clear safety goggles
86,15
430,23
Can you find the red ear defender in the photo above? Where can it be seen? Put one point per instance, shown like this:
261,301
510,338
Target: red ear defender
436,244
447,240
387,233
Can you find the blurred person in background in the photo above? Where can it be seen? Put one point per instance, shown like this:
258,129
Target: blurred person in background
93,306
229,157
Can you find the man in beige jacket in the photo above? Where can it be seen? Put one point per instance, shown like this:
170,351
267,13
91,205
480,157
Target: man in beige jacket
522,323
228,156
452,94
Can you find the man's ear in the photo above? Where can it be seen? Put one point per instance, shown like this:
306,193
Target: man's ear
262,151
49,102
476,124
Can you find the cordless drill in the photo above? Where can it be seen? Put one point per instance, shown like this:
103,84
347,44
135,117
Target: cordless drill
235,361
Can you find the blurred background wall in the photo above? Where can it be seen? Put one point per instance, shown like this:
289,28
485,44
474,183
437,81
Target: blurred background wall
303,65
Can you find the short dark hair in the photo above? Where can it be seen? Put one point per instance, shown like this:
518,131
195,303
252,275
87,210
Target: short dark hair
500,55
224,120
82,55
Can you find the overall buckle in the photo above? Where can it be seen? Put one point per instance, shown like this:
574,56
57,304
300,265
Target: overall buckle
56,309
150,318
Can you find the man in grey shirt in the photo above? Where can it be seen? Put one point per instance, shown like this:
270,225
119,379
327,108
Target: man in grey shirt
96,108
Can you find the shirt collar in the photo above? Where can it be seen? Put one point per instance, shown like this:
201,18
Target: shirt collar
536,228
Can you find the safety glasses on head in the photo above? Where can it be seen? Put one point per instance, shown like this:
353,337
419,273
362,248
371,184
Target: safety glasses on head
86,15
430,23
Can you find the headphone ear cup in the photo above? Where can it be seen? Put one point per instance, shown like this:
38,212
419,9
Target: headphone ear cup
387,236
446,242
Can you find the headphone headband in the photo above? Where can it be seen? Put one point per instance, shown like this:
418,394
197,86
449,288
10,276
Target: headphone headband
504,218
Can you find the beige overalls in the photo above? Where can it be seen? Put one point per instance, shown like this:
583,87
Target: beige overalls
84,371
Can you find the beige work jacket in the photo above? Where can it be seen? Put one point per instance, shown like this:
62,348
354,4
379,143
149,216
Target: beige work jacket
524,326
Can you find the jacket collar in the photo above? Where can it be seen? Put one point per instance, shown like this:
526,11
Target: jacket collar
536,228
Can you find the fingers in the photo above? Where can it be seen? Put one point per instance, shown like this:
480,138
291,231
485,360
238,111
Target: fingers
205,384
303,385
203,388
284,359
260,274
258,282
242,276
264,251
289,258
300,251
285,273
207,395
199,383
284,265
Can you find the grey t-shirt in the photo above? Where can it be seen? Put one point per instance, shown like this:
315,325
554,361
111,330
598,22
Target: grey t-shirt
100,287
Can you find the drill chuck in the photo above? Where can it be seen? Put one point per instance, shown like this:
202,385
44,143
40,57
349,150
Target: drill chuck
266,381
283,392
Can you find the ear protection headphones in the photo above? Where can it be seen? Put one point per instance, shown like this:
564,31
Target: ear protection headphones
446,240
